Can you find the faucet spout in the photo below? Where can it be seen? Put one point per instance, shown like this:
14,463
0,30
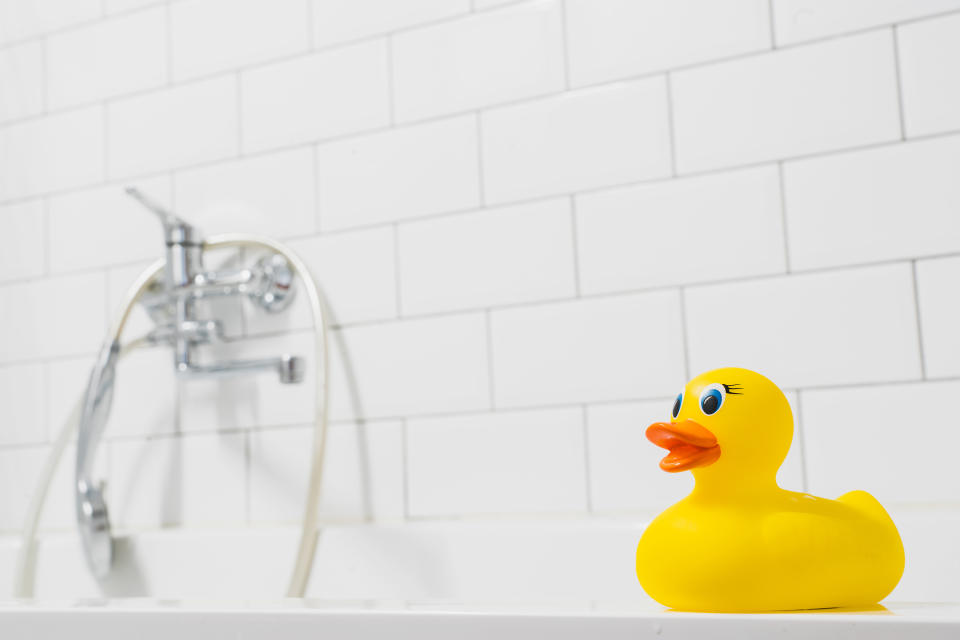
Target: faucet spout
290,369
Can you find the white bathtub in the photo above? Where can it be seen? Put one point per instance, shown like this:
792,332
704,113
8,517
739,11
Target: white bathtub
302,620
558,579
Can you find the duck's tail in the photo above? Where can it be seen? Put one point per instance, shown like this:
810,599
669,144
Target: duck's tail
889,558
866,503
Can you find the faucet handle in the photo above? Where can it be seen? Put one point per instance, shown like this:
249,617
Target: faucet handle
175,230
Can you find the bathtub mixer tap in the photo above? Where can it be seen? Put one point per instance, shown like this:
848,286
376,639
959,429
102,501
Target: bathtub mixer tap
171,303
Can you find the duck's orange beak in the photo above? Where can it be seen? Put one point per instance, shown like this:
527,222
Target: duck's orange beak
690,444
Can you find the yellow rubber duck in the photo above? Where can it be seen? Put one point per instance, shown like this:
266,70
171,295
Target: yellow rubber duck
738,542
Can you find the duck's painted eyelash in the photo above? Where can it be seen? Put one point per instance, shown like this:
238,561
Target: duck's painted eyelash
733,389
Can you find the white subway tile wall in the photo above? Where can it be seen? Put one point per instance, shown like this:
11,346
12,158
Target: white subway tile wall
82,65
533,220
324,95
21,67
452,67
611,39
930,73
793,102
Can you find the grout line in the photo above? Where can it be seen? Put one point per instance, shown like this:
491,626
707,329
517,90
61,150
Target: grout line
391,84
317,214
239,98
801,443
109,181
247,476
919,319
405,461
105,120
396,270
179,434
783,217
899,80
44,77
508,103
671,133
47,230
565,43
488,316
576,246
47,426
168,40
586,457
482,199
684,332
773,25
311,28
529,304
462,16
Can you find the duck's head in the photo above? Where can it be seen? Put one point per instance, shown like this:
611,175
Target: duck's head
726,423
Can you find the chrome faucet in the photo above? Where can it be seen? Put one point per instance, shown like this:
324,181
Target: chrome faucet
172,304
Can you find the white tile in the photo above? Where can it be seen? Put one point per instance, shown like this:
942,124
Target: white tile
52,153
562,561
411,367
624,465
589,350
892,202
356,273
321,96
107,59
19,19
55,317
452,67
933,570
23,395
70,315
21,75
579,140
689,230
24,248
399,174
939,315
120,6
490,4
213,35
855,437
19,471
272,195
362,474
797,20
832,95
181,126
528,462
66,382
492,257
84,227
610,39
144,400
855,325
197,479
930,75
341,20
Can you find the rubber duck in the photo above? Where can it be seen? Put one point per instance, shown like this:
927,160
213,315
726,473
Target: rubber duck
740,543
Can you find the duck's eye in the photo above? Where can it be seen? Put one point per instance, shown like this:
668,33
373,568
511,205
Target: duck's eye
711,399
677,404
